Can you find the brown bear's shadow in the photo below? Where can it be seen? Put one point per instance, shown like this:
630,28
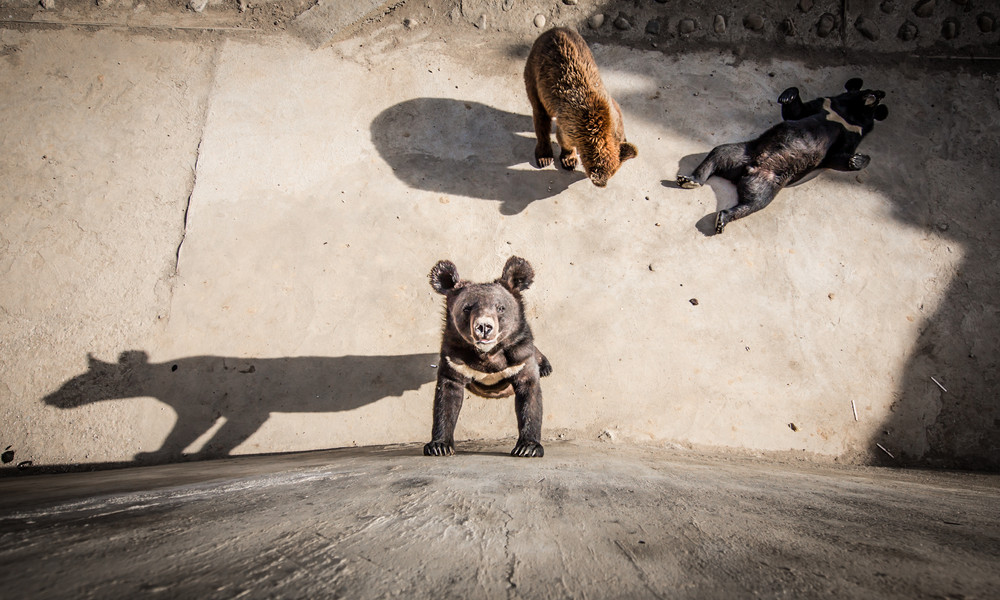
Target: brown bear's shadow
465,148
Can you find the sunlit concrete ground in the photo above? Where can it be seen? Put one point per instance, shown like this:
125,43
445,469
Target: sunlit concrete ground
586,521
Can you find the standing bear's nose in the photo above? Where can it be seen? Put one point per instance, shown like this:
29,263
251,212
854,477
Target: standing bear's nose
484,329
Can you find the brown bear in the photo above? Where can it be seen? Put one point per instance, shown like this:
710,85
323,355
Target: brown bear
563,83
488,349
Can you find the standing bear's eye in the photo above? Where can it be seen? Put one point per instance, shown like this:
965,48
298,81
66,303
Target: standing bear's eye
467,308
501,308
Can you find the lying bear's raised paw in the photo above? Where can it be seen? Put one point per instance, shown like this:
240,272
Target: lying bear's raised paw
438,449
859,161
789,95
528,449
687,183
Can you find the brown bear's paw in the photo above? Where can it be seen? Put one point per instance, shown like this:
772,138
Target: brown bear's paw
543,155
859,161
528,449
721,220
686,182
568,159
438,449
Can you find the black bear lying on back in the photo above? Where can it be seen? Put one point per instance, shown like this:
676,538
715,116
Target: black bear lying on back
488,349
822,133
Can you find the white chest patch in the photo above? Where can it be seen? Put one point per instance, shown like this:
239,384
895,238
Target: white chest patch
832,115
484,378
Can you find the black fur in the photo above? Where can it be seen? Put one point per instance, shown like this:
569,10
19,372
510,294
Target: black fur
809,138
485,330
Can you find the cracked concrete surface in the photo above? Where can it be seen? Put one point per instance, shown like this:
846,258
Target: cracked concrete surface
590,520
214,240
209,238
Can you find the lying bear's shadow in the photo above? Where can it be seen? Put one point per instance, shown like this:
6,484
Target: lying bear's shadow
725,192
465,148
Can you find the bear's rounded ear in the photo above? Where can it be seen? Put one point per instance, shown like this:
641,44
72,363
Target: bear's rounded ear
517,274
133,357
627,151
854,84
881,112
444,277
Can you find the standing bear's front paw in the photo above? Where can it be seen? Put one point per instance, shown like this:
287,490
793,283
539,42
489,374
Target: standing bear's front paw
528,449
438,449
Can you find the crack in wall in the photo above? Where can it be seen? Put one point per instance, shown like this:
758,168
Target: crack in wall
207,105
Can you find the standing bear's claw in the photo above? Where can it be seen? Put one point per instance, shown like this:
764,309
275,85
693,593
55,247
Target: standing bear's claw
438,449
528,449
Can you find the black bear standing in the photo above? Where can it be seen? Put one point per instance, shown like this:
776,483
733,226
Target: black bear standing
822,133
487,348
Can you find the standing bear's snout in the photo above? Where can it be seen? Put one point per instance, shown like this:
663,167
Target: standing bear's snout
483,329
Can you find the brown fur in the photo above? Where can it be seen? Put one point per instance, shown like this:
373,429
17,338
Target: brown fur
562,81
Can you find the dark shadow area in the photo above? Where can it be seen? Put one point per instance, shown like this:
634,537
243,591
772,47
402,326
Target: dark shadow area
952,377
465,148
244,391
959,343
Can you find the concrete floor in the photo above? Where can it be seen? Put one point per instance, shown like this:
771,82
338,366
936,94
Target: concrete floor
214,241
587,521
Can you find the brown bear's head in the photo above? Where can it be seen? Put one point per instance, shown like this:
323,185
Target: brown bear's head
485,315
610,149
603,166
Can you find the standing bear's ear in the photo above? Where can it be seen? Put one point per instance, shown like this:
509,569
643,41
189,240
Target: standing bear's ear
517,274
444,277
627,151
854,84
881,112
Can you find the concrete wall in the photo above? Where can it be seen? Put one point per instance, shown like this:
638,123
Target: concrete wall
219,245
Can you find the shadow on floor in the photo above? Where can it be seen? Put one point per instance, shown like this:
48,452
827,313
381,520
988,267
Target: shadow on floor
465,148
936,162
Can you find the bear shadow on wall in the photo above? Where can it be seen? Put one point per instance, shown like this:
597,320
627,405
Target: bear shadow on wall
465,148
243,391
